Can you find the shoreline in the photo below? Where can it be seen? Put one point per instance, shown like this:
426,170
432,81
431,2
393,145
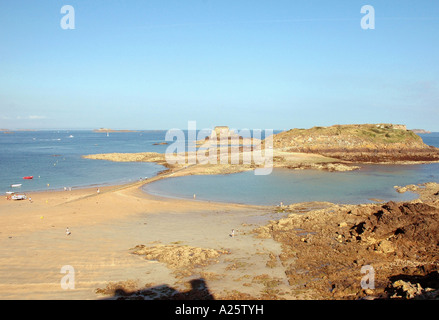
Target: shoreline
108,226
124,240
169,172
104,227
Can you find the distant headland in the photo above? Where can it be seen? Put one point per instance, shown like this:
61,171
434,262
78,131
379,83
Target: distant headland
420,131
112,130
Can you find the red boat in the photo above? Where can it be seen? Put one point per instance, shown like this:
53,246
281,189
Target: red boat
28,178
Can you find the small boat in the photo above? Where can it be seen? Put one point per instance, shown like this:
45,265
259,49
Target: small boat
70,136
18,185
19,197
28,177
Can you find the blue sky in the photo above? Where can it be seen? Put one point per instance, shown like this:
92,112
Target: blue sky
279,64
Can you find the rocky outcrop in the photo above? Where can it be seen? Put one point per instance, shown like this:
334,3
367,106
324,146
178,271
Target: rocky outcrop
188,257
359,143
325,250
408,230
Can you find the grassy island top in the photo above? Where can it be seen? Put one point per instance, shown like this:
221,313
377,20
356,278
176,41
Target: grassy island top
350,135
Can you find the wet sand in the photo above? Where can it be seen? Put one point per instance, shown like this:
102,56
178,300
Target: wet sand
126,242
105,226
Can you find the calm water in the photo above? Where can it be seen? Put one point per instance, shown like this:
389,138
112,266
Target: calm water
54,158
289,186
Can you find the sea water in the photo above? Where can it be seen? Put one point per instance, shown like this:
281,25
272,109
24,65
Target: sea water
54,158
291,186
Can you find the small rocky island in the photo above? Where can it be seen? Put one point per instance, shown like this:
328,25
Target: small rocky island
334,148
223,135
105,130
361,143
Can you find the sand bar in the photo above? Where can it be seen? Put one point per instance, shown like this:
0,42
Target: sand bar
105,226
124,238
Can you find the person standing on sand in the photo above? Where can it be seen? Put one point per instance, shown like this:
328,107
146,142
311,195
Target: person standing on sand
98,191
68,231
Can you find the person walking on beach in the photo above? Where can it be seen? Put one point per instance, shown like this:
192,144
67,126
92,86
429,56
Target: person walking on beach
98,191
68,231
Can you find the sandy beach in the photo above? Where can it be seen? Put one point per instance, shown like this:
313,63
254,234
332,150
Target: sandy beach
105,226
125,243
293,167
